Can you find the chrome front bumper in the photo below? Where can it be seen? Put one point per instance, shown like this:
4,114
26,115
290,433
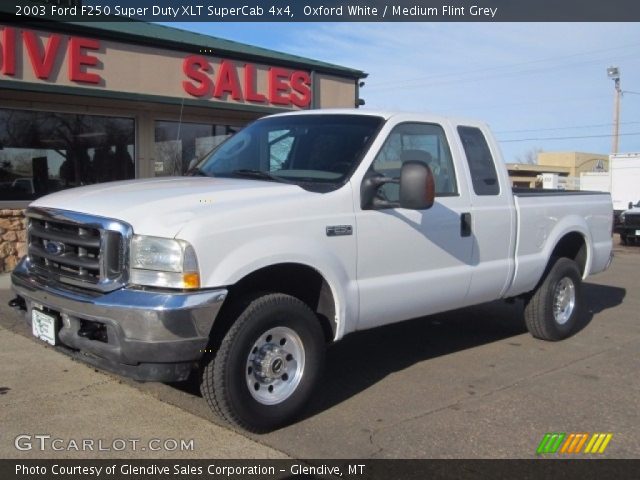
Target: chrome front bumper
150,335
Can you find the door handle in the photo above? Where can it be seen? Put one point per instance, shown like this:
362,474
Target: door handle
465,224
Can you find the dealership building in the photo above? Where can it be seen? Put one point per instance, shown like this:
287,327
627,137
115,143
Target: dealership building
97,102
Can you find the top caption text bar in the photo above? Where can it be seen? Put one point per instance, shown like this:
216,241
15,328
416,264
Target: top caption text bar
327,11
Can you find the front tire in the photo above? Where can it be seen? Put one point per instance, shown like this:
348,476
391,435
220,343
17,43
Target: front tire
266,366
553,312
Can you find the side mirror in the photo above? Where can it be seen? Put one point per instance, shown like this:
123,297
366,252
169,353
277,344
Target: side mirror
630,205
417,188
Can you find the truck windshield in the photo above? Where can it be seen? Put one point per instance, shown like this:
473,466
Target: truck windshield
302,149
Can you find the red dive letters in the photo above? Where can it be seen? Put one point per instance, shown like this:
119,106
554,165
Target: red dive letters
44,53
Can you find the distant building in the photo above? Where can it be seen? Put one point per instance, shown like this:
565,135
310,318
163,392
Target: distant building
575,162
567,165
528,175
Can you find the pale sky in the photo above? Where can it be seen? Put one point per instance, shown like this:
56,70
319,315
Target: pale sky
527,80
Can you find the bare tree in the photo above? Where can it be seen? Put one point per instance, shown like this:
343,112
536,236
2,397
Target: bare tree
170,154
530,156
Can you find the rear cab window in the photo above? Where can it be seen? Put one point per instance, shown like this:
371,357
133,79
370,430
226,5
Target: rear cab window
481,163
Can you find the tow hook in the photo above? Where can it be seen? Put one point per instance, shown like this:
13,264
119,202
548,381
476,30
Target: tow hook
18,303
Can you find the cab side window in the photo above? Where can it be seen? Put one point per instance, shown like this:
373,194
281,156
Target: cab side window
481,165
421,142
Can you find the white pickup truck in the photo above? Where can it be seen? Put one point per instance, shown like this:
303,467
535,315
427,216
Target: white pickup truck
298,230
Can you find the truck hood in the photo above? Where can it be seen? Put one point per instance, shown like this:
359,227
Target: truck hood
162,206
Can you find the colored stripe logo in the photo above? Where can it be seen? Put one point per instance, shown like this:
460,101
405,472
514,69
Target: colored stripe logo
572,443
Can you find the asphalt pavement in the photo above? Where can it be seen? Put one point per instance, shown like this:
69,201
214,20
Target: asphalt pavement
465,384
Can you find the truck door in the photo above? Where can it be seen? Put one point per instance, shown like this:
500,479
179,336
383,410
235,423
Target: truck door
493,219
410,262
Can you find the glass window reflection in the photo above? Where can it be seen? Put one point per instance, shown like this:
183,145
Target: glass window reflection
43,152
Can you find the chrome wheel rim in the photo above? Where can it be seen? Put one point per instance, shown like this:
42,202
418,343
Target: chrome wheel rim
275,365
564,300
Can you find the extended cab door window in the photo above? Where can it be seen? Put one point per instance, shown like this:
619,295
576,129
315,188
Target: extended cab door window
423,142
481,166
493,219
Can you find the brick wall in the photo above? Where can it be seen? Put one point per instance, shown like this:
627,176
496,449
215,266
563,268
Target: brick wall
13,238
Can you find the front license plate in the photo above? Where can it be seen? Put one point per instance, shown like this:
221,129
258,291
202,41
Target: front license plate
44,326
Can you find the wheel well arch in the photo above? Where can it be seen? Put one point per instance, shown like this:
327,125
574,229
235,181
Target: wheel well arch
573,246
295,279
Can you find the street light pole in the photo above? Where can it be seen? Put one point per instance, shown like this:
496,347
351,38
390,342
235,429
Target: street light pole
614,74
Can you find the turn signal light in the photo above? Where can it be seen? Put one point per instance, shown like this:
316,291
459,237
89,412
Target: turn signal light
191,280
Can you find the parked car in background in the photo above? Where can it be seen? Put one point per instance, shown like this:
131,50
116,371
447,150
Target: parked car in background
24,184
629,224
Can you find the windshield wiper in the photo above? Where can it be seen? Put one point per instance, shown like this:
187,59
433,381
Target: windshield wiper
257,174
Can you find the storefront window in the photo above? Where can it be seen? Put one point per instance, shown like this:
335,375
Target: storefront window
43,152
180,145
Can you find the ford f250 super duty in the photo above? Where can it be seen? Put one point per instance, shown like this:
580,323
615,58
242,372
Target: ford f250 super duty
296,231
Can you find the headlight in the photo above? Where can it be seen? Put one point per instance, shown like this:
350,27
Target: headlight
621,218
163,262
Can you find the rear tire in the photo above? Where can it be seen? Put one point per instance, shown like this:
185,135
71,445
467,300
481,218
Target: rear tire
264,371
553,312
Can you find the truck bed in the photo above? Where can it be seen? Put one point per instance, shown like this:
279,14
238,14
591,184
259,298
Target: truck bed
544,217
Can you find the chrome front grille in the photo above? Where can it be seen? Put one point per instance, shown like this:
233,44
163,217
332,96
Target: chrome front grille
77,249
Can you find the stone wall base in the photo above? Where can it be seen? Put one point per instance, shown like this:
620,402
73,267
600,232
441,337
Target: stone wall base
13,238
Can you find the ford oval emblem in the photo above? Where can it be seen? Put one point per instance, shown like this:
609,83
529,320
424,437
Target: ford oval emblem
54,248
